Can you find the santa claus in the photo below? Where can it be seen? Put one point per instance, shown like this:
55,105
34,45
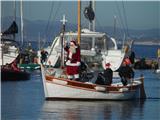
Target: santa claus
73,60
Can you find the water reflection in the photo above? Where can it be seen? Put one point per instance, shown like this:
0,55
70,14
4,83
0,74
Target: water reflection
21,100
99,110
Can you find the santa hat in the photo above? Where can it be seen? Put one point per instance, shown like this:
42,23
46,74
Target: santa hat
73,43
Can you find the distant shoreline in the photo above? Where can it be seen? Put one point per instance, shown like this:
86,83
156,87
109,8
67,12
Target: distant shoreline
146,43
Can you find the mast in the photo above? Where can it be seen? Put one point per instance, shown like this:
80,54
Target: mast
94,21
39,41
115,20
79,21
2,51
93,25
62,40
21,11
90,22
14,10
14,35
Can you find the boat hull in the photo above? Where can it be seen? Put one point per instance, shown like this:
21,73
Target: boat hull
56,91
59,88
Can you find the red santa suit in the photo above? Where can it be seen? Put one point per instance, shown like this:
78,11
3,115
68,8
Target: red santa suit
73,61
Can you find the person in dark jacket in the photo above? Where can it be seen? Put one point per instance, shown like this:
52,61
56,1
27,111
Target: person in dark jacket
108,74
126,72
44,55
132,57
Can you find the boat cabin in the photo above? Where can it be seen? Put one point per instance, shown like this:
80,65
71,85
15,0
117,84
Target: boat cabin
93,46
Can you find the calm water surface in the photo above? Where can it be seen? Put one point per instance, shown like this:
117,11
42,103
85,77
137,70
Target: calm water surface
24,100
146,51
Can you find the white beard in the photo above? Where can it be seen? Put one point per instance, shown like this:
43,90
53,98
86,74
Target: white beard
72,50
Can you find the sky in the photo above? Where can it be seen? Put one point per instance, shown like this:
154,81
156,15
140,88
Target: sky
131,14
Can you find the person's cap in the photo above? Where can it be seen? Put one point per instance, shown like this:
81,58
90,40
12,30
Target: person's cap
127,61
108,64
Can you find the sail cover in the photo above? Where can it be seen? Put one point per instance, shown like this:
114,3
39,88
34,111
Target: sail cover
89,12
11,30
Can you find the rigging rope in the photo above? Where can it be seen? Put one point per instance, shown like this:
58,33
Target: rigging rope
51,18
48,22
125,18
59,6
120,16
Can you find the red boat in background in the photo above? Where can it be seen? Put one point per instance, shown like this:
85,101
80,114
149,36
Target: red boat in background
11,72
9,75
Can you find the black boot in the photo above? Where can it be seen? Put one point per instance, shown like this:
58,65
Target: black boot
124,81
77,79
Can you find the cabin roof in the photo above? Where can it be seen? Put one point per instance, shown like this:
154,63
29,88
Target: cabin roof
86,33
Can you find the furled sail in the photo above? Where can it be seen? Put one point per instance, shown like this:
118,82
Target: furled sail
89,13
11,30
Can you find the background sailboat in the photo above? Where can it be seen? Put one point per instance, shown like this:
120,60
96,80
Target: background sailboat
10,55
9,47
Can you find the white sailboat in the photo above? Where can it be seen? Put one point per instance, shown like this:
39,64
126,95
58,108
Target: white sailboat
8,51
9,48
93,47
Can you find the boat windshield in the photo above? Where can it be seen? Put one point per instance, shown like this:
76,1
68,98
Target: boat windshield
89,42
86,43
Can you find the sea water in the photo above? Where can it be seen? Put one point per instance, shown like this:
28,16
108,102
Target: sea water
24,100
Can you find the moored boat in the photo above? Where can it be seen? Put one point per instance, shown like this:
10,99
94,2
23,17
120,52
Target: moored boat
9,51
13,75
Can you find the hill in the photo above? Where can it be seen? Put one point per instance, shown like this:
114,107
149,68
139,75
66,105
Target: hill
48,30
